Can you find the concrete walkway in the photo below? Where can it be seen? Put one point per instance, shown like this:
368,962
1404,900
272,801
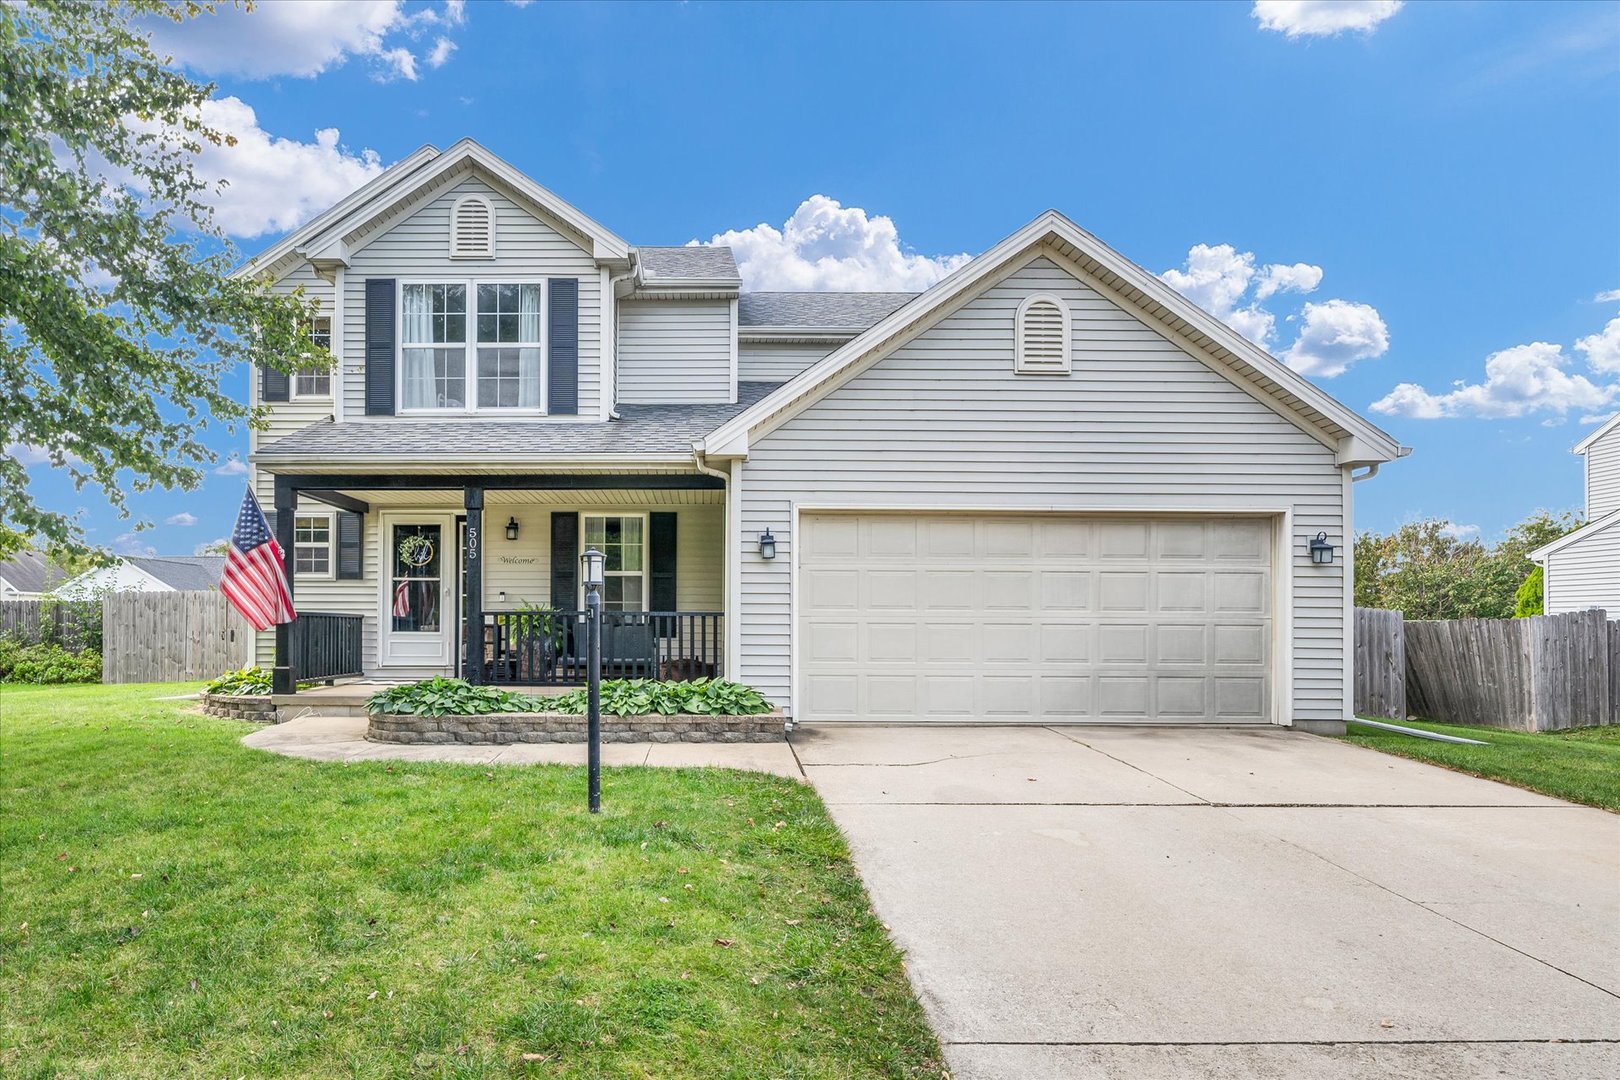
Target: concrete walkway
343,738
1155,903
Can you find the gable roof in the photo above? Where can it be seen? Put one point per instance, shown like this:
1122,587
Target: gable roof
818,310
185,573
1357,440
1603,429
31,572
693,264
1585,532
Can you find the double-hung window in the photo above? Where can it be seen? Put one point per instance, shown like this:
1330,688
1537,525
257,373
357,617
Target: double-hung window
471,346
312,545
315,381
623,539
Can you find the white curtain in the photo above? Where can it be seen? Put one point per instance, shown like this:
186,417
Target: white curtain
529,316
418,314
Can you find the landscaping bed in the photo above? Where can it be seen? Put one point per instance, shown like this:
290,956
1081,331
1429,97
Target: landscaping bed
255,707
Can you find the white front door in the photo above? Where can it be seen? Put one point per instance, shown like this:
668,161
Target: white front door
418,583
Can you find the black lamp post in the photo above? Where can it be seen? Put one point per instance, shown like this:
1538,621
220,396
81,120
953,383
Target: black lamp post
593,562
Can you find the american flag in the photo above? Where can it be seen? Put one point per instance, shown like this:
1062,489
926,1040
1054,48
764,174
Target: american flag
402,600
255,576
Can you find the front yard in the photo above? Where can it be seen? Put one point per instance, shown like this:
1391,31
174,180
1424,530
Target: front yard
176,905
1582,765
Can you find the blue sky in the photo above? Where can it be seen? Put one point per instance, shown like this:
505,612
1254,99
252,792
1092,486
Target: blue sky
1443,179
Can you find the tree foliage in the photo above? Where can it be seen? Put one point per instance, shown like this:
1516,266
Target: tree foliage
121,320
1531,598
1428,572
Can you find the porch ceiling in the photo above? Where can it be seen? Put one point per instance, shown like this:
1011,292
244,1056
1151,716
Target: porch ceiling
452,497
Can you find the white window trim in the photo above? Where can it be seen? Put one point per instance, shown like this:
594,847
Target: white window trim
331,546
331,374
1019,366
471,364
646,553
455,214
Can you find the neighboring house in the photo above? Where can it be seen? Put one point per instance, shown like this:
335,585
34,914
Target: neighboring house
1049,488
1582,570
146,573
28,575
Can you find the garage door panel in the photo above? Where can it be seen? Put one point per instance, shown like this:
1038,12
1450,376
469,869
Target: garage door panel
1064,590
1122,643
1182,591
948,590
1122,590
1181,644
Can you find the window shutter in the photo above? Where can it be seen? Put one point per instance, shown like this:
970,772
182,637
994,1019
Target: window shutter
472,229
379,346
661,562
562,346
350,546
565,560
274,385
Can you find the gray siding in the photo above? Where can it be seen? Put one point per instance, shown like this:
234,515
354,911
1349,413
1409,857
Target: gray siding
777,361
675,351
1603,476
1586,574
1140,425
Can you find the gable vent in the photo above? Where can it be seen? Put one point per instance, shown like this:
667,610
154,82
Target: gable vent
472,228
1042,329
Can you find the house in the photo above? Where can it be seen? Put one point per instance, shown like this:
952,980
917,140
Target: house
146,573
28,575
1047,489
1582,570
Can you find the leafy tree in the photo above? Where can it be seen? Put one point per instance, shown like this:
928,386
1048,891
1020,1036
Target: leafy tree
121,321
1531,598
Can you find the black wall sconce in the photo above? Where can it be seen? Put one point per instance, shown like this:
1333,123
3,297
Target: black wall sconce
767,545
1321,550
511,529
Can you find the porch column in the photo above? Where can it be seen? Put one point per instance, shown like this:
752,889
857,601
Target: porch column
283,679
472,662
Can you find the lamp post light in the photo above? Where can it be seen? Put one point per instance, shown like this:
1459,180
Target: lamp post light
593,563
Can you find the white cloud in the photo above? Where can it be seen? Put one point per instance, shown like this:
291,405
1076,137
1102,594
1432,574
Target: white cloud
1519,381
825,245
1607,296
182,518
1602,349
1276,278
303,38
1459,532
441,51
30,454
1322,18
1335,334
233,466
131,544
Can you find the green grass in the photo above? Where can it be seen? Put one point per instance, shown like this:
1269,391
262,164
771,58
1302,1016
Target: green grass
1582,765
176,905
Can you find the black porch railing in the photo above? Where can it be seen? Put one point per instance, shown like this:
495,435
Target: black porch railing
326,645
547,648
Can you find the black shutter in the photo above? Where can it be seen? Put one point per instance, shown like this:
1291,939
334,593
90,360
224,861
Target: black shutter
275,385
350,548
562,346
565,560
379,346
661,562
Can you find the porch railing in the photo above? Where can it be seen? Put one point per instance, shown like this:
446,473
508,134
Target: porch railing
547,648
326,645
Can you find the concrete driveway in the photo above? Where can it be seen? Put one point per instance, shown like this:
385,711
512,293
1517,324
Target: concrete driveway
1150,903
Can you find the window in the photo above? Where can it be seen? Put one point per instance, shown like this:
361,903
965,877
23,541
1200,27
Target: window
312,545
472,228
498,342
623,539
315,381
1041,331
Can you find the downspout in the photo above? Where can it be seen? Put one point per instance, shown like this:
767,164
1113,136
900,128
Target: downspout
1372,471
613,328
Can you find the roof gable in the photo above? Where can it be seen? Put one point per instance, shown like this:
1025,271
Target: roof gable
1591,440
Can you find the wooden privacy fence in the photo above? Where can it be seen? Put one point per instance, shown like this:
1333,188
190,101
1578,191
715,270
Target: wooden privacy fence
171,636
1543,673
72,624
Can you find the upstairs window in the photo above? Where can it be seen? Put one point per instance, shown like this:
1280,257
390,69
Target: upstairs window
315,382
490,333
472,228
1041,333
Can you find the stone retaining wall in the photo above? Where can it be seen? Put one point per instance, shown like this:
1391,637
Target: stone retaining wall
504,728
259,709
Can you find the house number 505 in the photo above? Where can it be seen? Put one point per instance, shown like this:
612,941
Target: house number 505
472,542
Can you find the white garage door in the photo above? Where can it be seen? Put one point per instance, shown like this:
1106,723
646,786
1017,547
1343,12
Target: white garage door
1050,617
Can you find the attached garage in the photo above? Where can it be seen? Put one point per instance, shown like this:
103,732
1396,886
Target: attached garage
1051,618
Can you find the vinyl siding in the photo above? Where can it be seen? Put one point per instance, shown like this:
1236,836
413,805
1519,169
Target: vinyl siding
285,417
1140,425
1586,574
1603,476
675,351
777,361
418,245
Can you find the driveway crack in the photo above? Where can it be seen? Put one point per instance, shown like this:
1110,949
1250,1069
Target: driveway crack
1128,765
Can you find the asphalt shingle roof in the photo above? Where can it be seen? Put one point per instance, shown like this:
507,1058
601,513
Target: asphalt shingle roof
847,310
698,262
641,429
31,572
187,573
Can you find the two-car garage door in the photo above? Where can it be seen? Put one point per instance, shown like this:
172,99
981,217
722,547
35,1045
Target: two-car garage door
1035,618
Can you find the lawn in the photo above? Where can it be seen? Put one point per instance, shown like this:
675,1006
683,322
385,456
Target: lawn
176,905
1582,765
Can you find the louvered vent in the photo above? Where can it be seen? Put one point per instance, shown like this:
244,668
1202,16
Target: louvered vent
472,229
1043,337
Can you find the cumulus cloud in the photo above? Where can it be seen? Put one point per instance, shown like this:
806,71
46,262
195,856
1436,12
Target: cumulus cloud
1607,296
826,245
232,466
1602,349
182,519
440,52
301,38
30,454
1335,334
1519,381
1322,18
131,544
1459,532
1276,278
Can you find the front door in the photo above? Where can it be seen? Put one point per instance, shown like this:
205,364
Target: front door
418,602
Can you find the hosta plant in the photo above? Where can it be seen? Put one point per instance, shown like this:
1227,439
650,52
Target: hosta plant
439,696
640,697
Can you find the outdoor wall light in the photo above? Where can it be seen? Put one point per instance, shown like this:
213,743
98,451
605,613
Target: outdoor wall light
767,545
1321,550
594,563
511,529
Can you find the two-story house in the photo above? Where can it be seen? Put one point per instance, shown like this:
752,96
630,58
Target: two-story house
1047,489
1582,570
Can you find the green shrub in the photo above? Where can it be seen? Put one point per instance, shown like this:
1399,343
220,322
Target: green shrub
47,664
247,681
1530,600
450,697
638,697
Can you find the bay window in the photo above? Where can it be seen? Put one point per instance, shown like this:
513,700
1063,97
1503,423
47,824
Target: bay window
489,332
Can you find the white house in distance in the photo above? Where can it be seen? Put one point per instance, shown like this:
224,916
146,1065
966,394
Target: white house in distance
28,575
1582,570
145,573
1048,489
